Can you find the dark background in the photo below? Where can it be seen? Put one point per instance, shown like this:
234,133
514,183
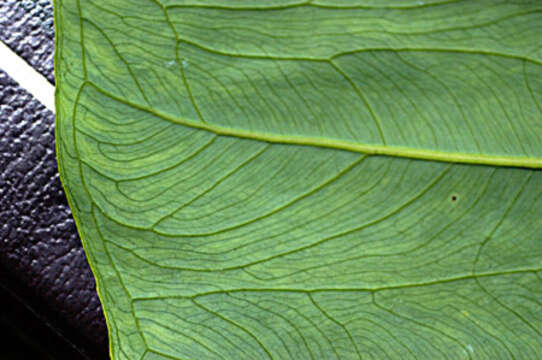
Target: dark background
28,334
49,308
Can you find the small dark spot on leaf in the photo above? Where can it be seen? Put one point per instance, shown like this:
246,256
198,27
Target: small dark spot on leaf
454,198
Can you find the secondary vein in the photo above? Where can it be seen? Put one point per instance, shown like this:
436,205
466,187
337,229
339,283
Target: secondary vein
324,142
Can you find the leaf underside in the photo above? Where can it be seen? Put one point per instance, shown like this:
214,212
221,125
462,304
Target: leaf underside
330,179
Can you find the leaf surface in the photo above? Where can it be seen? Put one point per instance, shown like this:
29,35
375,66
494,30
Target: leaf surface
307,180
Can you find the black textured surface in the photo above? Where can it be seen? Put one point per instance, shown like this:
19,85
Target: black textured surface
42,262
26,334
41,256
26,26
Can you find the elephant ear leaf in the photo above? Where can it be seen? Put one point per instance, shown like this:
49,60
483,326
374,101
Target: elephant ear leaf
326,179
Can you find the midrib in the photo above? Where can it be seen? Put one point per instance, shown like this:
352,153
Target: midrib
370,149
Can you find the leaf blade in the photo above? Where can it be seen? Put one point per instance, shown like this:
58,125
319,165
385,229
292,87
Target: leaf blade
195,197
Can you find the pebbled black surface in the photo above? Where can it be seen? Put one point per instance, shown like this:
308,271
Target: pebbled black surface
42,262
26,26
40,252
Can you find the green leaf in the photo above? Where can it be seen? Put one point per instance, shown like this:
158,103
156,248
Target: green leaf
327,179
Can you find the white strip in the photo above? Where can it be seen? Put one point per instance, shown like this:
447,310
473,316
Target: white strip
28,78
